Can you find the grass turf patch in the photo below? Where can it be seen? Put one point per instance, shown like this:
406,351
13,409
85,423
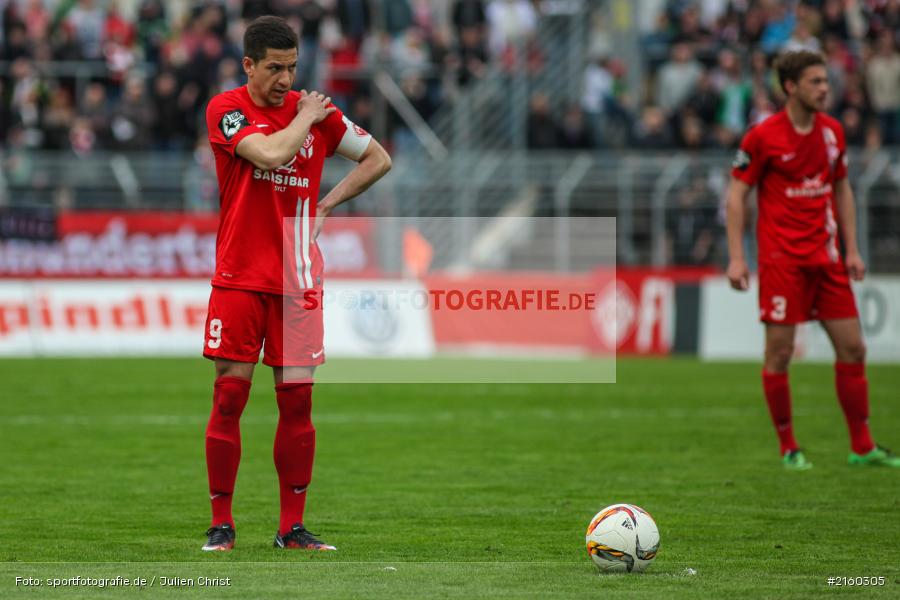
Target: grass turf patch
469,490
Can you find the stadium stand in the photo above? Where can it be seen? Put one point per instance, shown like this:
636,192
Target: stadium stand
101,104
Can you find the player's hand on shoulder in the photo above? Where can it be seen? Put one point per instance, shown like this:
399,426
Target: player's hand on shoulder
316,105
738,274
856,268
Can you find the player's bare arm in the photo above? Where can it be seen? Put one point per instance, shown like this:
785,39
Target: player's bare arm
846,217
271,151
373,164
738,273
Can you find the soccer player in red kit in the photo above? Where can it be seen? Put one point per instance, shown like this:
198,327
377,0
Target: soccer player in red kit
797,159
270,144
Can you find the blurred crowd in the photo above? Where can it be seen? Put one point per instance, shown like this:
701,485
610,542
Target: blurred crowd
83,75
711,75
137,74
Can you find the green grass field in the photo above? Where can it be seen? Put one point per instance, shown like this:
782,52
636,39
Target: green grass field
445,491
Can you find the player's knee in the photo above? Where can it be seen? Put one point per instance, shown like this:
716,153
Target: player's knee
778,358
230,398
294,407
229,406
855,352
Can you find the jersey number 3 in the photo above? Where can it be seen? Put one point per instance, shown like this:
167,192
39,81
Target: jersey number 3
779,308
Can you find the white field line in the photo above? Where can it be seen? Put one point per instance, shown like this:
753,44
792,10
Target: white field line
412,418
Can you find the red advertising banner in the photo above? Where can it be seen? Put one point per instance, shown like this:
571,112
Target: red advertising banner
161,245
619,312
512,310
636,309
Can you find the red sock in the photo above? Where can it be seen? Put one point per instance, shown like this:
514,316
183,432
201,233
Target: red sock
223,444
295,446
853,394
778,397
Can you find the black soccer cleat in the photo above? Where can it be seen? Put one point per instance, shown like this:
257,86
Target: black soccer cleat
221,538
301,539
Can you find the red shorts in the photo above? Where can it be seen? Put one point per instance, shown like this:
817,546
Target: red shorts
791,294
239,321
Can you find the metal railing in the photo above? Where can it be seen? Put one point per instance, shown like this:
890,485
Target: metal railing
490,112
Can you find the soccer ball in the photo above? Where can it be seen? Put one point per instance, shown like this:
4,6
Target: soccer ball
622,538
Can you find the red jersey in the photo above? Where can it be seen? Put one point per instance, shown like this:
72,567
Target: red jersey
796,175
267,217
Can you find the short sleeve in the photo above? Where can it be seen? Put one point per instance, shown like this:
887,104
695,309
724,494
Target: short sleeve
344,137
750,159
226,124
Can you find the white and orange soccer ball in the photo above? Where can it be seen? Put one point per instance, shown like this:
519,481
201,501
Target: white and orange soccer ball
622,538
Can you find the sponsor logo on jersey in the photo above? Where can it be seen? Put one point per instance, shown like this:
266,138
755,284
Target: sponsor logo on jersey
232,122
811,187
307,150
741,160
278,178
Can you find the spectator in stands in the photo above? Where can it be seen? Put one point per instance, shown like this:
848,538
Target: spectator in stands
65,44
345,57
704,100
838,62
152,28
574,132
36,18
467,14
167,118
87,19
834,19
734,90
692,31
692,133
195,43
81,137
16,39
397,16
511,23
416,91
230,75
883,82
854,127
355,19
802,39
597,95
133,117
25,102
855,96
93,111
779,26
653,131
312,14
762,108
542,128
883,15
118,42
691,226
57,120
753,25
677,78
410,53
471,55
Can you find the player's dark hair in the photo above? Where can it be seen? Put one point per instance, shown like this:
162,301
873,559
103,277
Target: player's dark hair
791,65
268,32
